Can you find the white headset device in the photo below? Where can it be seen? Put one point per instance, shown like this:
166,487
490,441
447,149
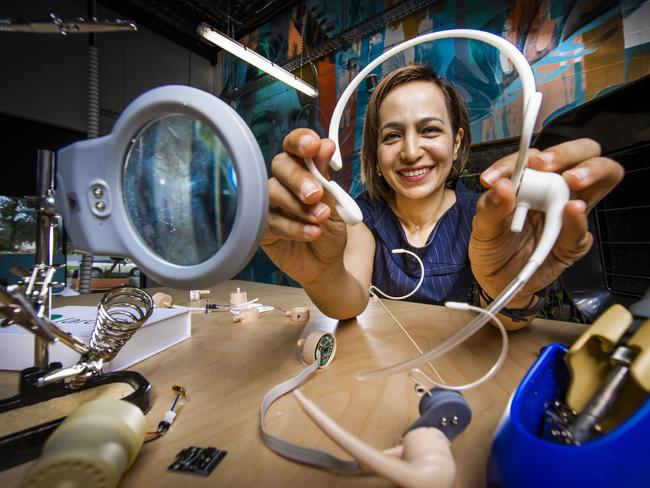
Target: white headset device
546,192
536,190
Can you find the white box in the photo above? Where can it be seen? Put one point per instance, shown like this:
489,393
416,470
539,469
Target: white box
165,328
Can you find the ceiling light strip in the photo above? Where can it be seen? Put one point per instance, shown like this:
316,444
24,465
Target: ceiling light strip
257,60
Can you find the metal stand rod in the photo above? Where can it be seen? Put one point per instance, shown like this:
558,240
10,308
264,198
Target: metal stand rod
44,239
86,265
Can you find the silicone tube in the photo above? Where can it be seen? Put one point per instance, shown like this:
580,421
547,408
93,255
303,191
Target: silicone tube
423,460
416,372
541,191
451,342
536,190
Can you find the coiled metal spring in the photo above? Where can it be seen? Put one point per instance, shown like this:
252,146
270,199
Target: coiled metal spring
121,312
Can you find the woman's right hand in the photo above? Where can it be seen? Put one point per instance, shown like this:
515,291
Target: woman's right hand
305,237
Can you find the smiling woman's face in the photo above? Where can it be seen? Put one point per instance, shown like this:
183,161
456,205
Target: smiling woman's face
416,146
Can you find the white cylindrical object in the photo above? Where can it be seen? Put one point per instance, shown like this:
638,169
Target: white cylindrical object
169,417
519,217
237,297
94,446
199,294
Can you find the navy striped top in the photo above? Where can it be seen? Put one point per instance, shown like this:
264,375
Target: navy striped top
448,274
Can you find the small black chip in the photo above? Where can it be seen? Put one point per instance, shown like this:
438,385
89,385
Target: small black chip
197,460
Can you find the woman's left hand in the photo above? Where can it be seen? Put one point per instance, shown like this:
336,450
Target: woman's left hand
497,254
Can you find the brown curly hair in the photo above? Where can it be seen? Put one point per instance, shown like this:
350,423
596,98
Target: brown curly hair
375,185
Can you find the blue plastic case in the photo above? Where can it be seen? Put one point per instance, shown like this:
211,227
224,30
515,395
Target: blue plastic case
521,458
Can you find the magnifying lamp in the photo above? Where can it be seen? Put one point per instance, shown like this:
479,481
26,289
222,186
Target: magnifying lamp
179,186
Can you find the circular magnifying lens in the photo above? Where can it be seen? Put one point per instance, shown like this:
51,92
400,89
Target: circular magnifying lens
179,186
180,189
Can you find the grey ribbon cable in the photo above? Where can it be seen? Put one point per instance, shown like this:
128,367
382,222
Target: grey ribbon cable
305,455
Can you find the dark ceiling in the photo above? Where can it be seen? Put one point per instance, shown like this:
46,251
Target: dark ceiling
177,20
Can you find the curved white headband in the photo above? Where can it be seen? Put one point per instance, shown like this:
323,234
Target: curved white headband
531,98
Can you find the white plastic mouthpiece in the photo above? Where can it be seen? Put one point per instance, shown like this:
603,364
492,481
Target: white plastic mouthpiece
346,207
519,217
548,193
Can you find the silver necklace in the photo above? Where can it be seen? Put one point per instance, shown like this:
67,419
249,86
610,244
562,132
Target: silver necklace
417,227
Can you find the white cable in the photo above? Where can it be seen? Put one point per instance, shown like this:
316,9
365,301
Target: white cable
190,309
226,308
374,289
495,367
244,304
295,452
451,342
546,192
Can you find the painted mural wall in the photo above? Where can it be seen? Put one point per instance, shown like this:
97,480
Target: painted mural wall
578,51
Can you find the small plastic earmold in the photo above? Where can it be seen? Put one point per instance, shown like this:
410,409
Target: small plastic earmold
299,315
247,315
237,297
162,300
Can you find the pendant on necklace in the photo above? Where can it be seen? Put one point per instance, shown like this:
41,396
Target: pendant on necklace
417,228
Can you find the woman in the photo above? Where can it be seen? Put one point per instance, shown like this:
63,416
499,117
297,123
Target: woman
416,142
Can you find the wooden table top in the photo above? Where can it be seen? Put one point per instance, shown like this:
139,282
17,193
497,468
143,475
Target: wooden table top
228,367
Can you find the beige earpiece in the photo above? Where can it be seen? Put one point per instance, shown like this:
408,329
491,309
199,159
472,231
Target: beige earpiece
423,460
162,300
299,315
92,447
247,315
237,297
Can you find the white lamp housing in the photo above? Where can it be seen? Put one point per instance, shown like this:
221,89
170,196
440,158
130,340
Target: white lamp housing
257,60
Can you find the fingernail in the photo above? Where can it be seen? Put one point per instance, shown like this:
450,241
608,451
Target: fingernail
579,173
310,229
546,157
490,177
317,209
304,141
582,204
495,198
308,188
